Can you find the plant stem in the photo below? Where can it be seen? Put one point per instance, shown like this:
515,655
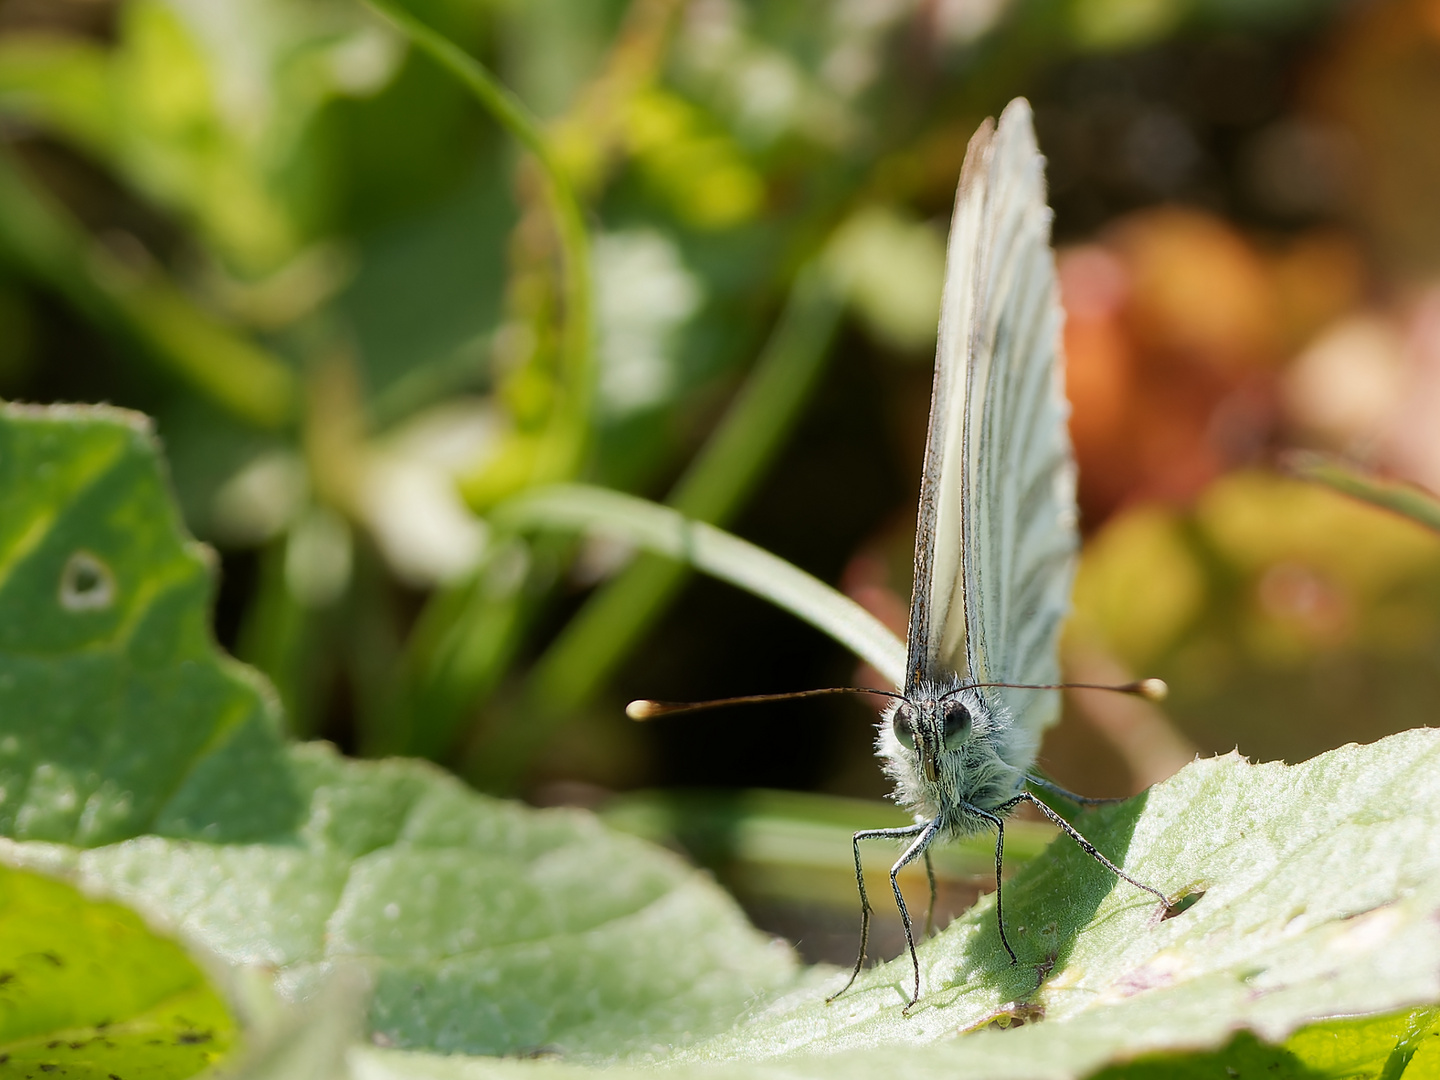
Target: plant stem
1398,497
566,437
602,634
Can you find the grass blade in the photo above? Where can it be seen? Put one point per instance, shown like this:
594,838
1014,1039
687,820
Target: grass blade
664,531
1398,497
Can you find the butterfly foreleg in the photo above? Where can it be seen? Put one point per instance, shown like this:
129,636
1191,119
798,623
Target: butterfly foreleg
865,909
999,823
1087,847
914,851
930,911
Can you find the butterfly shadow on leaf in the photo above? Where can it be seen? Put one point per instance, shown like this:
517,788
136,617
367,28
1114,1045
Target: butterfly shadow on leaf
1047,905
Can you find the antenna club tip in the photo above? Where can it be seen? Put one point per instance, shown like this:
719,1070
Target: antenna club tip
1153,689
642,709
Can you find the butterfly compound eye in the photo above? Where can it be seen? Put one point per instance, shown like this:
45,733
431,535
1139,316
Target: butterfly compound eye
904,725
957,724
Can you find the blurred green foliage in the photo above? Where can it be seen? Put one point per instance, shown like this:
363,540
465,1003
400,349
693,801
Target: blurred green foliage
370,288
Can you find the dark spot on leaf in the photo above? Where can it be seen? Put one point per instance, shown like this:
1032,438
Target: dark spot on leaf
112,1076
6,976
1182,903
52,1044
53,958
47,1067
4,1058
76,1045
533,1052
191,1038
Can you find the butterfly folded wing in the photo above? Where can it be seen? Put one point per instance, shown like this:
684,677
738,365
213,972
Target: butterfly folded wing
936,644
996,540
1017,501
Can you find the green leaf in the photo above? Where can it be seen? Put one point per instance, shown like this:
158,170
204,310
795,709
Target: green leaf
86,990
125,738
117,714
1385,1046
1320,898
487,927
1365,1048
1321,889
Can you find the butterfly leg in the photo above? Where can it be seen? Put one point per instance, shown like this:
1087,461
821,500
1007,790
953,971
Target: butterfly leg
999,823
930,911
919,847
1069,796
1087,847
865,909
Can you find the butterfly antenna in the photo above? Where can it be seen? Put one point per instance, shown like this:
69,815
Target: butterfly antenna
1149,689
645,709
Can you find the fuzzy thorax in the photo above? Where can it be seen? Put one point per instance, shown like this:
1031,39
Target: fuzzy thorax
983,765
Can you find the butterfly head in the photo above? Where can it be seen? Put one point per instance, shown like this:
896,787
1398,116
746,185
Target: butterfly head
930,725
949,745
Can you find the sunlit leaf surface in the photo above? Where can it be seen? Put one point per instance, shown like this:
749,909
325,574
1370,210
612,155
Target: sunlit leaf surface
87,991
1321,889
152,767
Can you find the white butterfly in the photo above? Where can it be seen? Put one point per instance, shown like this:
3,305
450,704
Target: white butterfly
996,536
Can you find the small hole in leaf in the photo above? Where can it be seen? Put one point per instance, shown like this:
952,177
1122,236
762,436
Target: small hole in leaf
86,583
1187,899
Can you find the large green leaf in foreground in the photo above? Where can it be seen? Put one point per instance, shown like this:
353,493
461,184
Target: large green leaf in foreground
138,762
1322,900
141,765
1322,897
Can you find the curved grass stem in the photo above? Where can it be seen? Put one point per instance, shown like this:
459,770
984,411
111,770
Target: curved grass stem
564,446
